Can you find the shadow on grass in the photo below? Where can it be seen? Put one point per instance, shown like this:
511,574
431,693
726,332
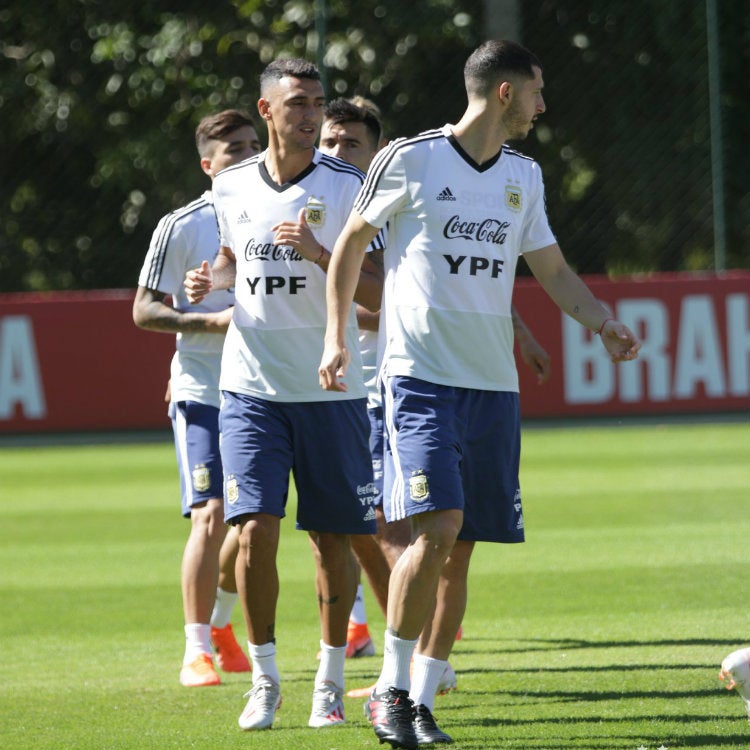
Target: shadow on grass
571,644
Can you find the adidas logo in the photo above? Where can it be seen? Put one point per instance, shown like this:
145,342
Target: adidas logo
244,218
370,515
446,195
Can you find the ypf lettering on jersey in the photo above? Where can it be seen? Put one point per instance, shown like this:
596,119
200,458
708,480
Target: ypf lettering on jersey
474,265
273,284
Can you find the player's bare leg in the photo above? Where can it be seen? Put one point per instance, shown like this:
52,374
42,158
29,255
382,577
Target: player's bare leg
199,576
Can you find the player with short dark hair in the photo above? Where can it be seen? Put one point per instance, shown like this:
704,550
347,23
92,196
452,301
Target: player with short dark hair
461,207
279,212
182,239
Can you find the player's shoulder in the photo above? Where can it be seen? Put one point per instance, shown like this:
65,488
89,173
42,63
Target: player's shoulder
230,174
518,158
338,169
191,213
425,139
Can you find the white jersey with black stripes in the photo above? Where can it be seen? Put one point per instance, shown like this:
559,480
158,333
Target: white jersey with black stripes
456,229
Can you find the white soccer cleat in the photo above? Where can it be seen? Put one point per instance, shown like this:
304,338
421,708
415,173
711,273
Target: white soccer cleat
263,700
327,706
448,681
735,673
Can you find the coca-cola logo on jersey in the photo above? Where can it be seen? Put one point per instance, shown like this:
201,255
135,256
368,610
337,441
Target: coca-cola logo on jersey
486,230
255,250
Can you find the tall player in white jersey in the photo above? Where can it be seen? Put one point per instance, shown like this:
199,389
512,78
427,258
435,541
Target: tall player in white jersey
352,131
279,213
181,240
461,207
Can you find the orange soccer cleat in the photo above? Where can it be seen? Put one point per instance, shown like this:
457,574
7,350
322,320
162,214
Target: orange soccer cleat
229,655
199,673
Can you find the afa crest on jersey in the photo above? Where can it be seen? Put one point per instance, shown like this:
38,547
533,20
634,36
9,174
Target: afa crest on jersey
232,490
419,491
201,478
513,197
315,212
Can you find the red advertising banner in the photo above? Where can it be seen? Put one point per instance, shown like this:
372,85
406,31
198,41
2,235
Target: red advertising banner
76,362
695,356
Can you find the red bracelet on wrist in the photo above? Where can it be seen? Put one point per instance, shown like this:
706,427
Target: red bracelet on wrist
601,327
323,251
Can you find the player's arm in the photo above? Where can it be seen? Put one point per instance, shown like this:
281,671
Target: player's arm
344,271
369,320
299,235
221,275
151,312
573,297
532,352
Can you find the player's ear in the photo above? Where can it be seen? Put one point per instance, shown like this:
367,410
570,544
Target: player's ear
206,165
264,109
505,92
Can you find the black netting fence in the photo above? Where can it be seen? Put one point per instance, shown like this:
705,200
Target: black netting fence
644,145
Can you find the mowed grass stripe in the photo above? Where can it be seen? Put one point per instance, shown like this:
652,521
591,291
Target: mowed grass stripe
605,630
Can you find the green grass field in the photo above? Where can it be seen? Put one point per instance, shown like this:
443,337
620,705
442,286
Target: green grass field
605,630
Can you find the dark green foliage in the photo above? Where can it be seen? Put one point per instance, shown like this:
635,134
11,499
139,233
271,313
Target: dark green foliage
99,101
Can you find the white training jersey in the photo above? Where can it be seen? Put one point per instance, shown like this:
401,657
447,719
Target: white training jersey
368,349
275,341
182,240
455,231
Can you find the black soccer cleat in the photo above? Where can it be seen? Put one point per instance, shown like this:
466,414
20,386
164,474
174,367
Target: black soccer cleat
427,730
392,715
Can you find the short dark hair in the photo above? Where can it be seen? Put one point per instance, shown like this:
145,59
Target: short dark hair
495,60
341,111
294,67
214,127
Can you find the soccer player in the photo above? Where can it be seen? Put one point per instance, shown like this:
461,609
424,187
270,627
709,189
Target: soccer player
352,131
735,673
461,207
183,239
279,213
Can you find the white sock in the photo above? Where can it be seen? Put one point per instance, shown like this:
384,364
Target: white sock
424,680
223,606
397,654
358,614
331,667
264,661
197,641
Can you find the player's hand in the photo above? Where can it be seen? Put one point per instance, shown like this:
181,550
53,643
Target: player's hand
333,367
535,357
621,343
198,283
297,235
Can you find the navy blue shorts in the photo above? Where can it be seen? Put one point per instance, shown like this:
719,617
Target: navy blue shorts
196,440
324,444
377,440
454,448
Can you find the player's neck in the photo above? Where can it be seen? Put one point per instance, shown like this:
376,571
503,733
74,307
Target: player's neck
480,134
284,164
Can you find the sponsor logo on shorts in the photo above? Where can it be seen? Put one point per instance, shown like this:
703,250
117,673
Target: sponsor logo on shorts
517,508
201,478
370,515
232,490
418,488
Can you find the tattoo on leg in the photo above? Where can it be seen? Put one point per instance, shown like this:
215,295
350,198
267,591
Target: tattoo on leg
329,602
271,633
392,631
